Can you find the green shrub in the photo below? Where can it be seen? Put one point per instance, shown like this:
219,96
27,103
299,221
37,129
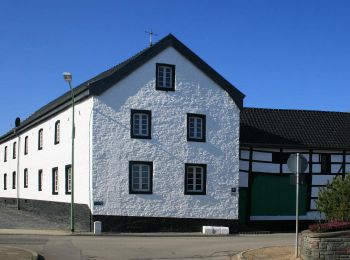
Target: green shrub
334,199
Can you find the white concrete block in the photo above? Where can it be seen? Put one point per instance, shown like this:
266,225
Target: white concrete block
212,230
97,227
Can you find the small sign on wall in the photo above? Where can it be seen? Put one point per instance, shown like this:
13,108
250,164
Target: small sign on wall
98,203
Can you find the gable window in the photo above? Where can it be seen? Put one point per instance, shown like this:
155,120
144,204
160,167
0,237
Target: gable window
13,180
5,154
165,77
26,145
5,181
25,176
40,139
195,179
325,163
140,177
141,121
54,181
196,127
40,180
57,132
14,150
68,179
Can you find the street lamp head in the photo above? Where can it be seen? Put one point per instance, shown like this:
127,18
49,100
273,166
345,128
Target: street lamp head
67,76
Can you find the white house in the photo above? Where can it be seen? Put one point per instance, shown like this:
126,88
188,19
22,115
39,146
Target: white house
157,147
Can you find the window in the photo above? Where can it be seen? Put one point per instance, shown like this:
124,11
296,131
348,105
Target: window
141,121
5,154
14,150
68,179
54,181
140,177
40,180
325,163
13,180
195,179
165,77
40,139
5,181
57,132
26,145
25,176
281,158
196,129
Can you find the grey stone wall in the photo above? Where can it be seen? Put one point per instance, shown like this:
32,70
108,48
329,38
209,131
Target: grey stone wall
55,211
331,245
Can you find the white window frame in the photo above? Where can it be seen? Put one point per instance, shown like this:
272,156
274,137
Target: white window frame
55,180
139,122
197,127
57,132
25,184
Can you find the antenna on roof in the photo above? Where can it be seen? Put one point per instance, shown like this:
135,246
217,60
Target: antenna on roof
150,33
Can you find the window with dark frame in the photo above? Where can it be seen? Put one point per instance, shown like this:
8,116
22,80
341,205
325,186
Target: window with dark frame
278,157
57,132
14,150
140,177
13,180
68,179
5,181
40,139
25,176
26,145
325,160
54,181
196,127
40,180
195,179
165,77
141,124
5,154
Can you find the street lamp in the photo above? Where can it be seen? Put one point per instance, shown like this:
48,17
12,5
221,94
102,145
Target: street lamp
68,78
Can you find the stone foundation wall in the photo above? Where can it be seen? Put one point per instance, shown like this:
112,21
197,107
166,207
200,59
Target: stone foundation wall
55,211
331,245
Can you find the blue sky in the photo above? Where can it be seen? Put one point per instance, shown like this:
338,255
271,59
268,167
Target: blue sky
280,53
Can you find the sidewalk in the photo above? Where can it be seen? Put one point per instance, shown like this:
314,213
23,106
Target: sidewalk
16,253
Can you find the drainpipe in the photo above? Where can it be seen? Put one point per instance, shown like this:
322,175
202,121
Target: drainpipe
17,123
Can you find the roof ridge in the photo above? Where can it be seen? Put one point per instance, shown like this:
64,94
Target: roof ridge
297,110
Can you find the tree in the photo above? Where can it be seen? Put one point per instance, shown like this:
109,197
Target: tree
334,199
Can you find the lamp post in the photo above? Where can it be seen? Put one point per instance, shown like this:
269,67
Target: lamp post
68,78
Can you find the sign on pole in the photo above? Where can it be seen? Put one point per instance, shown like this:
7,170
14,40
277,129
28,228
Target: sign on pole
297,164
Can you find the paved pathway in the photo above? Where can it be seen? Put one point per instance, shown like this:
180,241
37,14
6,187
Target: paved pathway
142,248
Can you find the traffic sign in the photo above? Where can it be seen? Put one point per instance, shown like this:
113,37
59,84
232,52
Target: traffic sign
292,163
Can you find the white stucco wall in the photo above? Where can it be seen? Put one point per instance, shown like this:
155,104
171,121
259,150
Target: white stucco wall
51,156
168,149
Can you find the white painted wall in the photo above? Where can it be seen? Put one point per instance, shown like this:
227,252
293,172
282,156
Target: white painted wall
51,156
168,149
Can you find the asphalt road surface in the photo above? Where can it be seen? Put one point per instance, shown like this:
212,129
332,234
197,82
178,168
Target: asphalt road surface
142,247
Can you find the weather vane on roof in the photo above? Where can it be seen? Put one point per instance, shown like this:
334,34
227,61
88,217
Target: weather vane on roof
150,33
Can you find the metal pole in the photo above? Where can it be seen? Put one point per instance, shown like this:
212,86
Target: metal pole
72,167
297,207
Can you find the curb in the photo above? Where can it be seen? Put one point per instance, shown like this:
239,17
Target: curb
13,248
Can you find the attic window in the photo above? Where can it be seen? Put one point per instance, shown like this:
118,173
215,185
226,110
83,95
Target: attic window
165,77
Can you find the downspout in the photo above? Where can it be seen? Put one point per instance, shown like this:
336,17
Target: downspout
17,175
90,166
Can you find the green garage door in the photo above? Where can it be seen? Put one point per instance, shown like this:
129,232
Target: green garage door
273,195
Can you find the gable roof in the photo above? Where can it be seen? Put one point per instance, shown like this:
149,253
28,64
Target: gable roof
103,81
286,128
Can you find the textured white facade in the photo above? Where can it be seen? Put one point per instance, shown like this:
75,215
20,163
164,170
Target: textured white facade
168,149
50,156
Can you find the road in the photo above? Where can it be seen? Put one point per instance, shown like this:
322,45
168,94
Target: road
142,247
